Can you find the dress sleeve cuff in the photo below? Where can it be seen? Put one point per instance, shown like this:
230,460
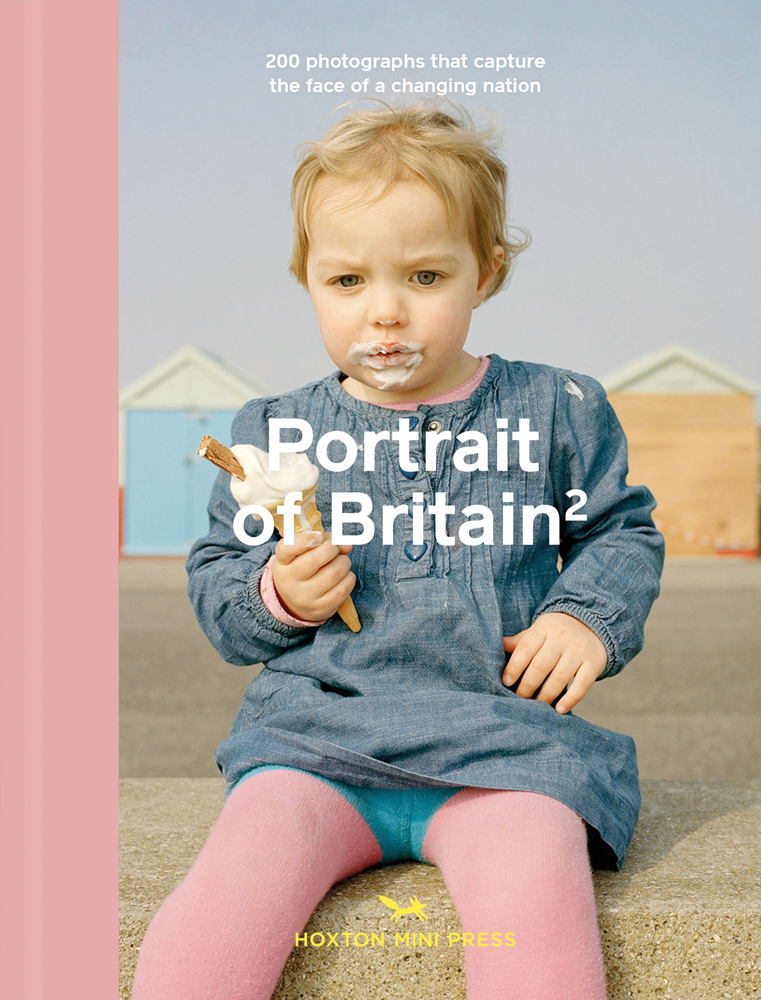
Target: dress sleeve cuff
271,601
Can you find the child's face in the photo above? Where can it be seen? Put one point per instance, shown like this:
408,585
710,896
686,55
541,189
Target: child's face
394,287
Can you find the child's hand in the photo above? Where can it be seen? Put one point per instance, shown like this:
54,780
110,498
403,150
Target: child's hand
312,577
555,650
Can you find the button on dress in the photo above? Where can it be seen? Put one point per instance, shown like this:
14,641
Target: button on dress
416,698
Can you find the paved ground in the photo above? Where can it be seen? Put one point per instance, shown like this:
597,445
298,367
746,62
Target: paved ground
691,700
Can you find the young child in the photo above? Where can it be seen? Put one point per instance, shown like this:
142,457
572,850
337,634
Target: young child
442,731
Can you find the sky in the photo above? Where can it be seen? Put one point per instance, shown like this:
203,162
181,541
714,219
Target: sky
634,167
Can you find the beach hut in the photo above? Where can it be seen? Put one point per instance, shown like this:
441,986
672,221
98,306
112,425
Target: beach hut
693,440
164,485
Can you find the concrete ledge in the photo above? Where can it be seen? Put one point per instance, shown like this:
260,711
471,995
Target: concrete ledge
681,921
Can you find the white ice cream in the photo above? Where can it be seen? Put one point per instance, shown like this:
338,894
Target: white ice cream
392,363
262,485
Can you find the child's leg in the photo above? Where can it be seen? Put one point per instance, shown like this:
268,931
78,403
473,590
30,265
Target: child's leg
282,840
517,863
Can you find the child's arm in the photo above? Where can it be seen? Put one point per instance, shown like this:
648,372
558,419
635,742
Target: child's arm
591,622
224,573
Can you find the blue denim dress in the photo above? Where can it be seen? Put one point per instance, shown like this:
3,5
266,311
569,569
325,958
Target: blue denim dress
416,698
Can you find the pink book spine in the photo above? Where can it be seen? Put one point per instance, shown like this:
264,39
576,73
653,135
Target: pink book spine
58,498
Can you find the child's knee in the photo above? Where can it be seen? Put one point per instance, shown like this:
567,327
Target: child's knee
494,827
301,819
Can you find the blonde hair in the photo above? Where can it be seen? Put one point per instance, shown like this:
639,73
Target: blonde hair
450,154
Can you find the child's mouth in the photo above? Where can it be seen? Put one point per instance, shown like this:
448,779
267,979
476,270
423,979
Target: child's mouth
385,355
393,363
389,359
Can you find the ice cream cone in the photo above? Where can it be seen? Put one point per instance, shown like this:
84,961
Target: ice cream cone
309,519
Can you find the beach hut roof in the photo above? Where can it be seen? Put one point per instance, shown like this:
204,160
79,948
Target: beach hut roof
191,378
675,369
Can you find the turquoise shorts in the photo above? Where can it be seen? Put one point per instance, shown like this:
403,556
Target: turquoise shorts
398,817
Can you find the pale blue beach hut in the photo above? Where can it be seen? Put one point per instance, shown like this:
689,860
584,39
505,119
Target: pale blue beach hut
164,485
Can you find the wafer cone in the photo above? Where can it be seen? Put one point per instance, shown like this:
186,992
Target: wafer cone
309,519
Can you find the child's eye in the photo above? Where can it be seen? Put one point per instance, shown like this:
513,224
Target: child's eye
426,277
348,280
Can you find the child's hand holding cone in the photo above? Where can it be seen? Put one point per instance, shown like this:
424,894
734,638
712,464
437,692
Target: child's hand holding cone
313,577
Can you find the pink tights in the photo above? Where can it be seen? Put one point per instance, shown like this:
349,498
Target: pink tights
512,861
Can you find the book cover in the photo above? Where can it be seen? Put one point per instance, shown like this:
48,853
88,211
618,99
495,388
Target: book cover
627,135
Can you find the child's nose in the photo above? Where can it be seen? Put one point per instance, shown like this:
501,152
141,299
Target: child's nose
387,309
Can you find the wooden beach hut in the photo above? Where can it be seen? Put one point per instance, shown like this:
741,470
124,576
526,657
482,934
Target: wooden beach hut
693,440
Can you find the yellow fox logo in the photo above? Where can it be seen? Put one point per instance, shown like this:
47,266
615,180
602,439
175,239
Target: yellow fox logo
417,907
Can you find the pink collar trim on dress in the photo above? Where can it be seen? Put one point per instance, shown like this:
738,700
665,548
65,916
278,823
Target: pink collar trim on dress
450,396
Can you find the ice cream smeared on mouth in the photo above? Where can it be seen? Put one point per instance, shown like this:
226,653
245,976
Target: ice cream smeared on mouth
262,485
392,362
